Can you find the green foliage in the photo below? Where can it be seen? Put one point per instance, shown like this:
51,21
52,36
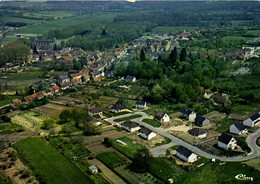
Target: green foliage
143,55
48,124
77,65
141,161
47,164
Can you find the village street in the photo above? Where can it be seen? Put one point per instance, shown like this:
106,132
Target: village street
160,150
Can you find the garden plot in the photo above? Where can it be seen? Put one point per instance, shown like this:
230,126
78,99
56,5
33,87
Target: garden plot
52,110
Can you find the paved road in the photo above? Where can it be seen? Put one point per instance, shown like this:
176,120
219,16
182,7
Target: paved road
251,141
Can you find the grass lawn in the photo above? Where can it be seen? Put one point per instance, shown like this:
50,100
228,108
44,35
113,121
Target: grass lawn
152,122
110,114
97,116
48,164
111,159
130,149
225,125
128,118
165,169
150,112
215,173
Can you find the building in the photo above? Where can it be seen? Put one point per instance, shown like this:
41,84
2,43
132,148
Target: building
253,120
117,108
227,142
140,105
16,101
63,79
130,78
186,155
147,133
238,128
130,126
161,116
201,121
94,111
188,115
197,132
93,169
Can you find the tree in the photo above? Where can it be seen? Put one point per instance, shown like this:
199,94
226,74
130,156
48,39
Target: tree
77,65
91,128
142,55
173,57
141,161
65,116
104,33
48,124
183,54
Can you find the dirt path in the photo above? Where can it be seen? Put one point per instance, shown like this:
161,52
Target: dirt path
108,173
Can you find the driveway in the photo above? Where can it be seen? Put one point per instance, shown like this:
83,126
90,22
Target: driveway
158,151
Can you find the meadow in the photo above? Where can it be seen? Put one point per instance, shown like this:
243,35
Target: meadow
112,159
47,164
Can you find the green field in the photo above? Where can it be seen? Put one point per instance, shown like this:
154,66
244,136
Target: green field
24,75
130,150
165,169
8,99
128,118
10,128
112,159
110,114
253,33
152,122
47,164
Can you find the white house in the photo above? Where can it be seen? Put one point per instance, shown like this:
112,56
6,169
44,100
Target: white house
95,110
140,105
199,133
253,120
130,78
238,128
201,121
130,126
227,142
161,116
188,115
186,155
93,169
147,133
117,108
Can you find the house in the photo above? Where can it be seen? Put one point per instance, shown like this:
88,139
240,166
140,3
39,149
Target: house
16,101
130,126
64,85
117,108
56,88
63,78
226,142
238,128
94,111
40,95
85,78
147,133
219,99
130,78
188,115
49,92
97,123
29,98
201,121
161,116
186,155
93,169
253,120
197,132
140,105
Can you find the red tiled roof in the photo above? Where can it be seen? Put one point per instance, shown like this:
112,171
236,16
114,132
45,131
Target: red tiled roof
16,101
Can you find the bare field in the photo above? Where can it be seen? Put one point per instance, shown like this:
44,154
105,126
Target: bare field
215,116
255,163
52,110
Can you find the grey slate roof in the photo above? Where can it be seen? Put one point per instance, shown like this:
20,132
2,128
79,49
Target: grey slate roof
255,116
225,138
239,126
130,124
118,107
159,114
95,110
186,112
184,151
146,131
196,131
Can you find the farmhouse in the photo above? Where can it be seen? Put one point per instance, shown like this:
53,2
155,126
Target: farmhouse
140,104
197,132
117,108
238,128
130,78
63,78
65,85
227,142
186,155
56,88
147,133
130,126
95,110
253,120
161,116
188,115
40,95
201,121
49,92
